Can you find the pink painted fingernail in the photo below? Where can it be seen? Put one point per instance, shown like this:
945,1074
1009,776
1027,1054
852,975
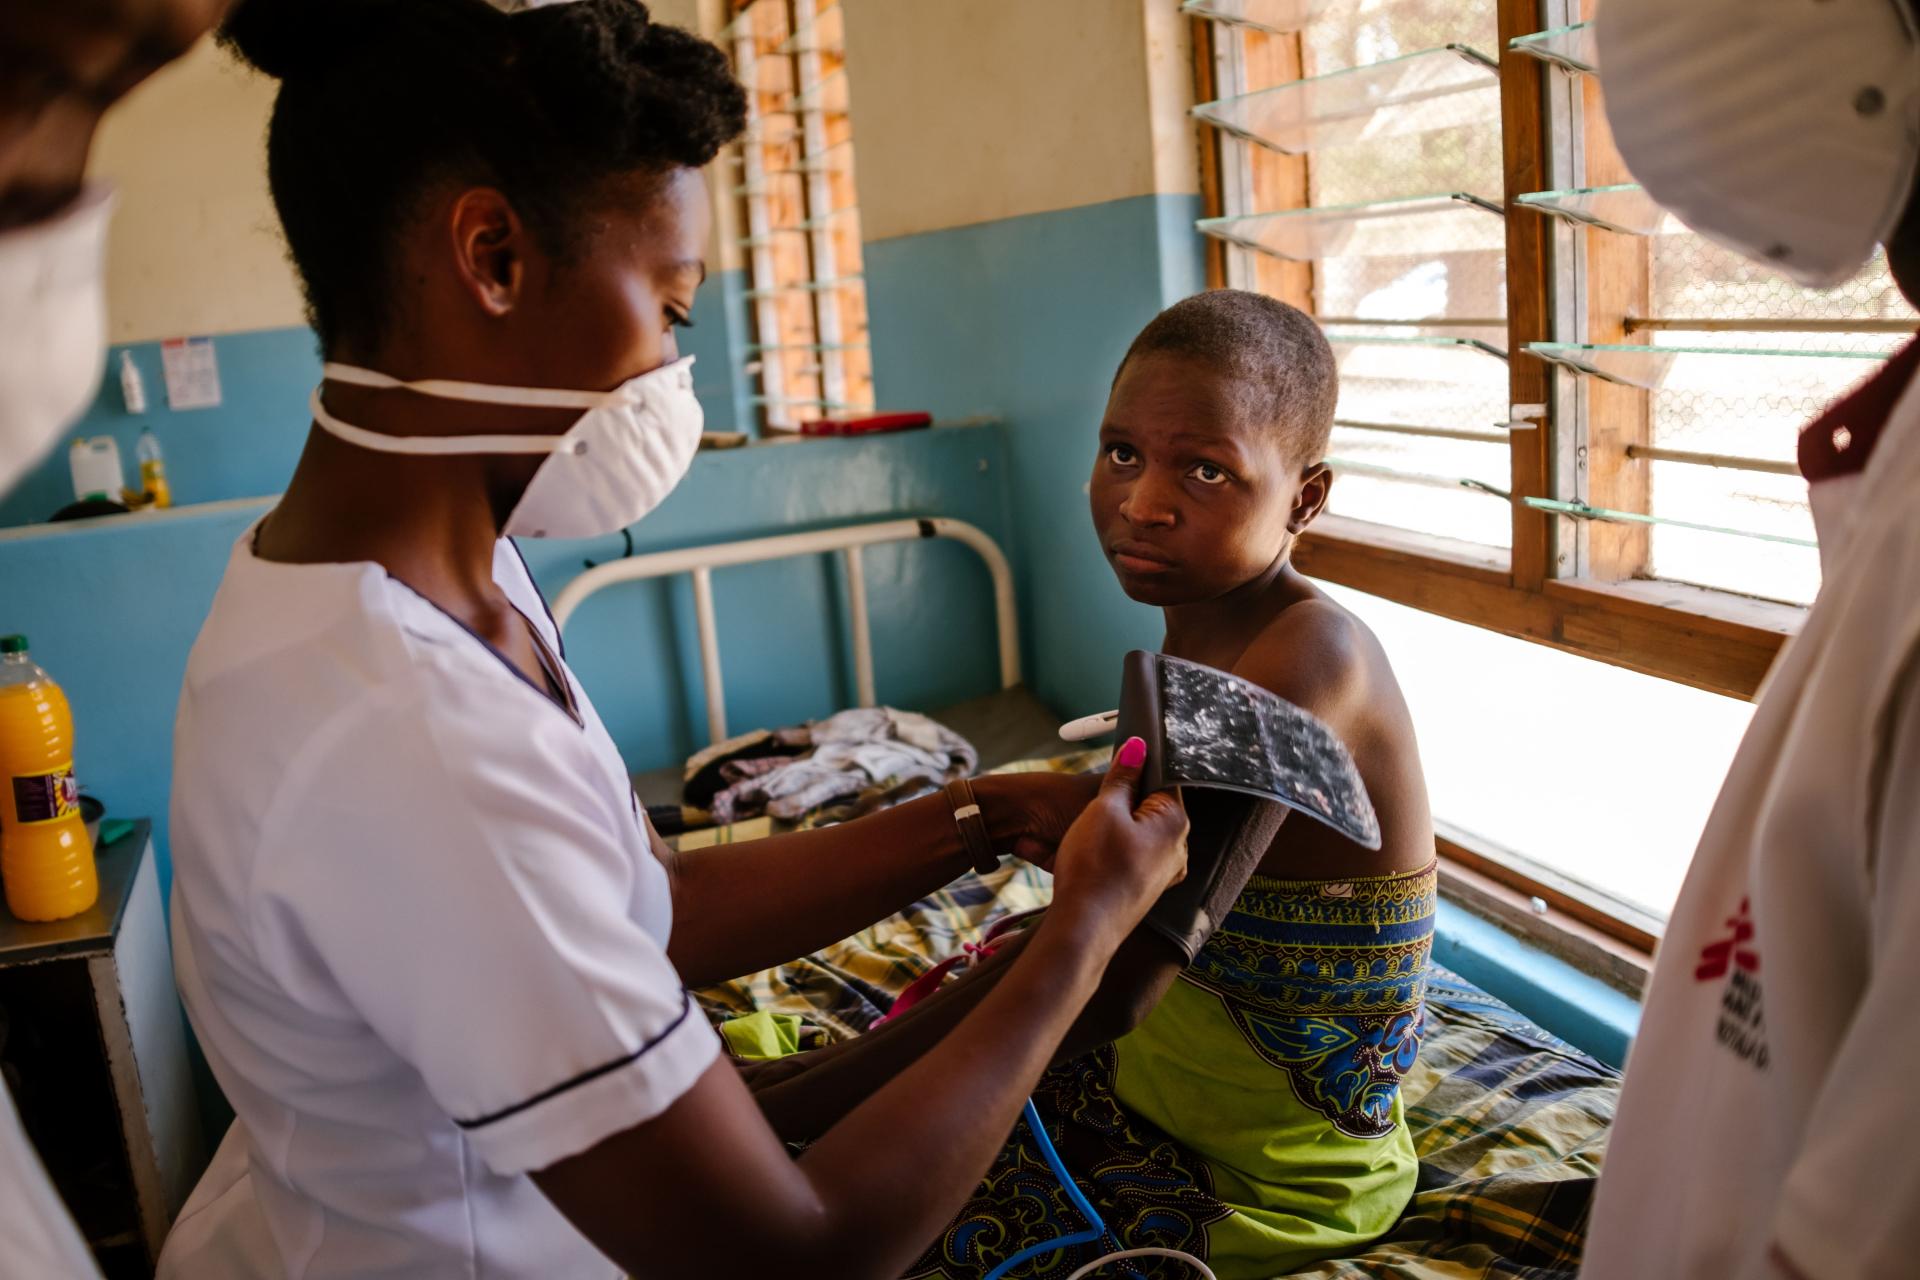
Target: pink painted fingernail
1132,754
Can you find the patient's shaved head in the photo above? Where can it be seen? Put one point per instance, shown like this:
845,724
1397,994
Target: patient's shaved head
1278,361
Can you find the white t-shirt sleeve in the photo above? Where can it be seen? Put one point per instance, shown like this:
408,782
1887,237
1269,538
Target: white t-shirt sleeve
470,897
1851,1199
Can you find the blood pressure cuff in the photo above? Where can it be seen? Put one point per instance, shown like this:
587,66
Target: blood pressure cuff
1242,758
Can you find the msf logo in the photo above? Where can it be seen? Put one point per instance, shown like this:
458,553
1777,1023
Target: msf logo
1735,959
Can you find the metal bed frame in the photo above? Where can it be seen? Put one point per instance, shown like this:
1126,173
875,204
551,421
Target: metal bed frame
849,540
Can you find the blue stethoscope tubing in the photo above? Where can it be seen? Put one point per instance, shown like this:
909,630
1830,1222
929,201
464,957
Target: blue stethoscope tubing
1097,1227
1097,1230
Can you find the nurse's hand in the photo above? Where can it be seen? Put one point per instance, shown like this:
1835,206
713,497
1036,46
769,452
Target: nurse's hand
1120,856
1028,814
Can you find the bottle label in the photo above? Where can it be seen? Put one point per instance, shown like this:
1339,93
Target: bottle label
46,797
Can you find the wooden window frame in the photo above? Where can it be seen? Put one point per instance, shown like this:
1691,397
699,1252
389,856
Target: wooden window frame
1605,938
1564,586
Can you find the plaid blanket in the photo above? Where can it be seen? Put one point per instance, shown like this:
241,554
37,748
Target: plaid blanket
843,990
1510,1123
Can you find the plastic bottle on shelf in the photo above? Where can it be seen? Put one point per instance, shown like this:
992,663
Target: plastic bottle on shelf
153,470
46,859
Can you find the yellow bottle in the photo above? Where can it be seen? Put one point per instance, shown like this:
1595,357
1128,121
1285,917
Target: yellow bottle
153,471
46,859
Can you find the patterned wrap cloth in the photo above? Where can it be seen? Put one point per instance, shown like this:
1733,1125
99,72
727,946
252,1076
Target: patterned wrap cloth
1277,1060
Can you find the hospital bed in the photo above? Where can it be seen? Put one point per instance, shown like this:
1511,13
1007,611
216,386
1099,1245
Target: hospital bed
1007,725
1510,1123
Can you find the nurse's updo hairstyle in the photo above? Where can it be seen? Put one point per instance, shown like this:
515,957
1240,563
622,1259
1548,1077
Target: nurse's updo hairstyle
379,98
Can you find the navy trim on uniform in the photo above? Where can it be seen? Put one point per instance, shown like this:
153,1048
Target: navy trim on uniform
567,708
541,596
686,1008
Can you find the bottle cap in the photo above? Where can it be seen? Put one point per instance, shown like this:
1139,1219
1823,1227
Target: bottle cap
13,644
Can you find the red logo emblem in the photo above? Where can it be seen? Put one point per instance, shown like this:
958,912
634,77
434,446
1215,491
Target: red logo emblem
1735,951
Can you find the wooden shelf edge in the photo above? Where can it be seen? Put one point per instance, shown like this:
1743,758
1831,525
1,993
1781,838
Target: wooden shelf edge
1709,640
1634,928
1610,940
1717,611
1584,948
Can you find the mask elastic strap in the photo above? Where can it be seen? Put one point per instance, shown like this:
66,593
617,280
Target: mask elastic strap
436,445
490,393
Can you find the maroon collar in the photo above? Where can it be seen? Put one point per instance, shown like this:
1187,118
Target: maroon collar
1839,441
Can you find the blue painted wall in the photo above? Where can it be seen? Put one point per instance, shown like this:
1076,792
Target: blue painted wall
246,448
112,606
1580,1009
1028,318
722,327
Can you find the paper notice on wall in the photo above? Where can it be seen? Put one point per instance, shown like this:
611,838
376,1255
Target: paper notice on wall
193,376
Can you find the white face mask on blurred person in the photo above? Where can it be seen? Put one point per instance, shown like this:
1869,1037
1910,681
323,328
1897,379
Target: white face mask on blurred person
1786,130
53,327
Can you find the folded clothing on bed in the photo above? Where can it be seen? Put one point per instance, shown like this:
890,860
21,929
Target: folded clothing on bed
877,755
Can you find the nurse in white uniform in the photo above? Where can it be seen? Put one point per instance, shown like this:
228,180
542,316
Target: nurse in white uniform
436,958
62,66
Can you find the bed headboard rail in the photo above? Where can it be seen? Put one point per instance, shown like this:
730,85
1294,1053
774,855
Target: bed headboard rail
700,562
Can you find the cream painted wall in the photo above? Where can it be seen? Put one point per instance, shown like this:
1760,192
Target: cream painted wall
963,113
1176,135
195,246
966,113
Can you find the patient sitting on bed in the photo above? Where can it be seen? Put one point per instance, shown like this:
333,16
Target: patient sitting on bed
1245,1109
1276,1057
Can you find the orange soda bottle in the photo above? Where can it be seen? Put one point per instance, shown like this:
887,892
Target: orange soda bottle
46,859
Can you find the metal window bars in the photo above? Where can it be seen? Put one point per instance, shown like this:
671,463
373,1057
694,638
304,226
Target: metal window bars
802,242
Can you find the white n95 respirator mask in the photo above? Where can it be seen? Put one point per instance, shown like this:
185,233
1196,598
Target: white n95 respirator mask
1786,130
626,452
53,327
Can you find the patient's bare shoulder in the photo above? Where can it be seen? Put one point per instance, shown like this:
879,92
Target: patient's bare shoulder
1317,655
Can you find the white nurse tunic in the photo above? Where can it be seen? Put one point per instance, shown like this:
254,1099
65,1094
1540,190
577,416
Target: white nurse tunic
419,931
37,1237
